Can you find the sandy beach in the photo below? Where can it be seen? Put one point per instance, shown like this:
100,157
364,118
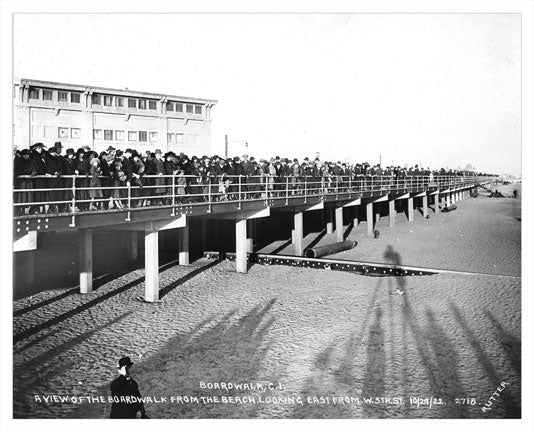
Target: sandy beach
321,337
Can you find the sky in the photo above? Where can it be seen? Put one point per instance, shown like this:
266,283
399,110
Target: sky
439,90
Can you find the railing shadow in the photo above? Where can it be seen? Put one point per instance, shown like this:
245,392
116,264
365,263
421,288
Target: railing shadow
167,289
35,372
69,314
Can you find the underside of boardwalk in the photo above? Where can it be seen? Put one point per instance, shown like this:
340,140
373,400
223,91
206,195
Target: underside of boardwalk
336,204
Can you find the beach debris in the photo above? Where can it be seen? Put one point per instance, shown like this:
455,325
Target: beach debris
427,217
399,291
80,383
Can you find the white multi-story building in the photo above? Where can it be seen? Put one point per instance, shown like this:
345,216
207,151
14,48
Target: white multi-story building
80,115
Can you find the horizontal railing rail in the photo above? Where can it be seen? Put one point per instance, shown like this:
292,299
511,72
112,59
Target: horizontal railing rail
80,193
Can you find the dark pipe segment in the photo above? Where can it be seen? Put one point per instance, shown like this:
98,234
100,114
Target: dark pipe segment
319,251
450,208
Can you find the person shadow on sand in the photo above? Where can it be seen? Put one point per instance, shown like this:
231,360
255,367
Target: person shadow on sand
393,257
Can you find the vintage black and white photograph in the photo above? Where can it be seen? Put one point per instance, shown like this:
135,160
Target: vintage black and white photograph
284,215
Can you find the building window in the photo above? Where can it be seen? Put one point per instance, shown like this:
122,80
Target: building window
63,96
108,135
142,103
119,102
152,104
179,107
97,133
198,109
63,132
189,109
75,97
180,139
95,99
75,132
170,106
132,136
170,137
119,135
132,103
34,93
142,136
47,95
108,100
153,136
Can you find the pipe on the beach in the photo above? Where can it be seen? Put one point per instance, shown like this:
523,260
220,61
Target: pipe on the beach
450,208
329,249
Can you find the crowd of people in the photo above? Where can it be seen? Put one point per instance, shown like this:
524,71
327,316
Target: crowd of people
46,180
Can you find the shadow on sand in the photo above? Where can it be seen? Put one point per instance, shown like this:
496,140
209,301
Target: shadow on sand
222,348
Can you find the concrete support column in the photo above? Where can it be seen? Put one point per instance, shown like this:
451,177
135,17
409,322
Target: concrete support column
448,199
410,209
131,245
329,221
339,224
183,245
241,245
299,233
391,213
425,206
453,197
151,265
85,257
444,201
250,236
369,215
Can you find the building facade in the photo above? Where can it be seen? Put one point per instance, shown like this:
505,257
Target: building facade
80,115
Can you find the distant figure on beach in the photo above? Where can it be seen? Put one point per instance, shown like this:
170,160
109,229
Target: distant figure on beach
125,393
515,193
393,257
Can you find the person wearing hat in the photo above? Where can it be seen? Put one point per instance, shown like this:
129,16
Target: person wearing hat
54,165
127,402
22,166
248,170
138,171
95,194
37,159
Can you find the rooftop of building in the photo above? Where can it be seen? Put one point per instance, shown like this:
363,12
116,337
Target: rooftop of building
107,90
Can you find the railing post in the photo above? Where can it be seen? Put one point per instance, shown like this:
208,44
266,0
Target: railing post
287,190
73,220
209,196
239,195
129,185
173,196
267,178
305,189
